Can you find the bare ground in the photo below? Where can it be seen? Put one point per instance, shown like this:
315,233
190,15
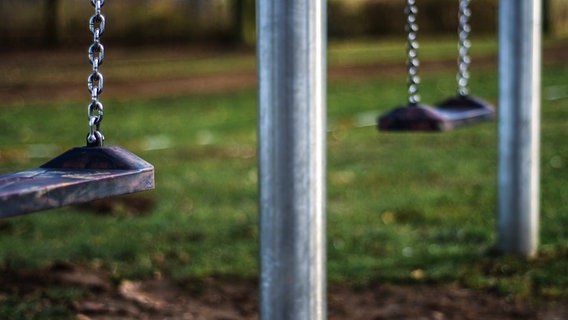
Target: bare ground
223,299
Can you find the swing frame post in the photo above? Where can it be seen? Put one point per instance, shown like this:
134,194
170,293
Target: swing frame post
291,64
519,126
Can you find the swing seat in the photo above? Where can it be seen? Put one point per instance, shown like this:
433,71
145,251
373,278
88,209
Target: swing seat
452,113
78,175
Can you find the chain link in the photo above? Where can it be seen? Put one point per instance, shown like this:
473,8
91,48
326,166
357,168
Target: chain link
95,81
412,61
463,47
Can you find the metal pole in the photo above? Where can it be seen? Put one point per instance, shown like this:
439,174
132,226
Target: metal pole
519,125
291,51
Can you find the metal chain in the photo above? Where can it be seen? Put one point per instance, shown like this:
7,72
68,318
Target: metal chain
95,80
463,47
412,61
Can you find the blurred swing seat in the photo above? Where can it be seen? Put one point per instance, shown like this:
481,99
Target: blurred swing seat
450,114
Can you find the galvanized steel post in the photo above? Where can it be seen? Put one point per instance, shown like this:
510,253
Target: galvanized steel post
519,125
291,64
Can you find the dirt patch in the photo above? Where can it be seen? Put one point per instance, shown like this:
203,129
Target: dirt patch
224,299
208,83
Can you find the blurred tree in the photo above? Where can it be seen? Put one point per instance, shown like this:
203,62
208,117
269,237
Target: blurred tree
555,17
51,18
244,18
546,28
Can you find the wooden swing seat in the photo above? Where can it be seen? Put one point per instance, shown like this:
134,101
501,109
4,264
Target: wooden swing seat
78,175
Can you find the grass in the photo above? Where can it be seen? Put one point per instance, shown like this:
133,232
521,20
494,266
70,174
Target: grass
51,304
402,208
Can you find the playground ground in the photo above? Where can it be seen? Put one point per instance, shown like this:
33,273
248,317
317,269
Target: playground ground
219,298
224,299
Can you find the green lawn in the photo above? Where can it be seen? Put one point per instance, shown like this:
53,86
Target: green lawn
402,208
